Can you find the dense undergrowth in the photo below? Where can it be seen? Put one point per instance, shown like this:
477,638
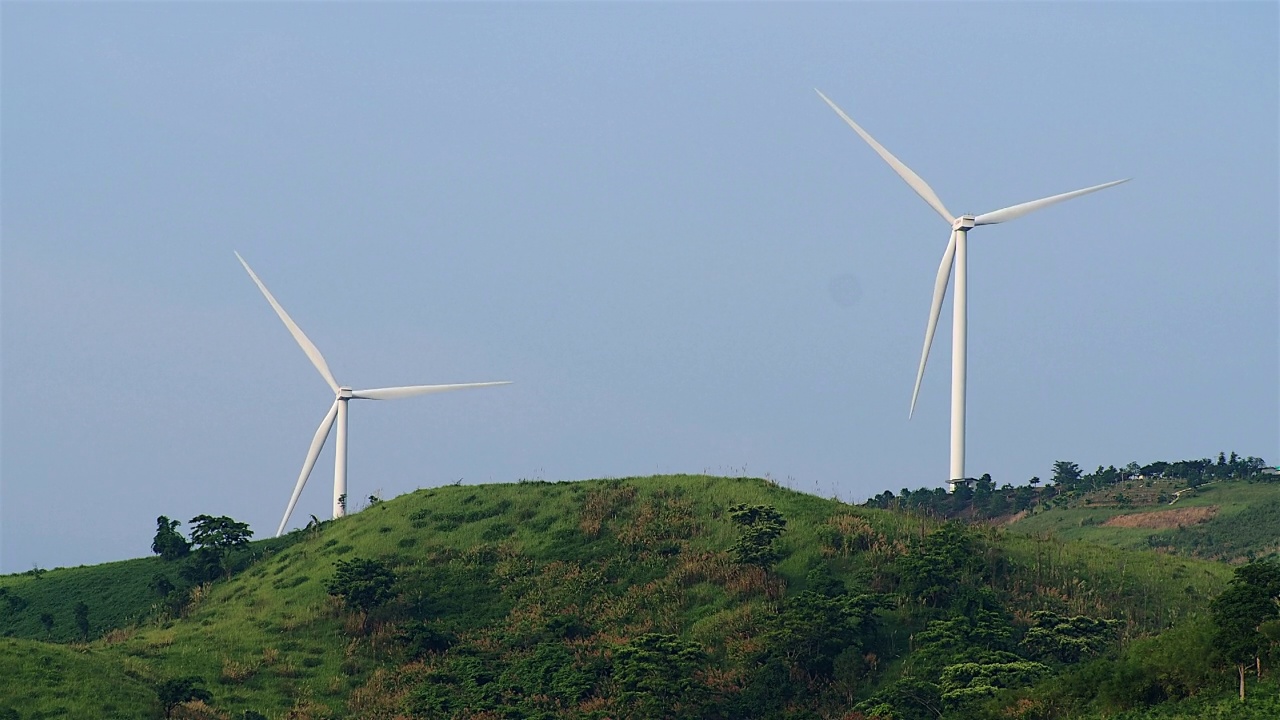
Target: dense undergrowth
634,598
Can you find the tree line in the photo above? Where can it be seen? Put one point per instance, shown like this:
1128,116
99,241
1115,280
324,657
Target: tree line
980,498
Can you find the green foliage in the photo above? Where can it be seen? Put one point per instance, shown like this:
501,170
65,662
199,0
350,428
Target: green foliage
935,567
551,671
362,584
1250,601
169,543
656,673
813,629
219,533
907,698
81,613
175,691
1068,639
419,639
761,525
964,683
216,539
1066,474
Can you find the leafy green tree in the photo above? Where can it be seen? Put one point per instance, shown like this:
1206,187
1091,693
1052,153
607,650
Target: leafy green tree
1251,599
176,691
161,584
908,698
933,569
761,525
814,628
362,584
169,543
217,538
656,673
46,621
219,533
963,683
1068,640
551,671
202,566
420,639
1066,474
81,613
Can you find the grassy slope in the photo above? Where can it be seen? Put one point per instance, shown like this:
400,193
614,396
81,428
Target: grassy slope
43,680
117,593
485,557
1248,521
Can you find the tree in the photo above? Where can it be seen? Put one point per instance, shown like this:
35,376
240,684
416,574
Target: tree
46,619
1066,474
1068,640
362,584
219,533
176,691
934,568
761,525
161,584
1251,599
813,628
216,538
656,674
169,543
81,612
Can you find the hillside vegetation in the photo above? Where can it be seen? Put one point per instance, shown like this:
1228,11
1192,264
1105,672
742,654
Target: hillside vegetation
671,596
1224,520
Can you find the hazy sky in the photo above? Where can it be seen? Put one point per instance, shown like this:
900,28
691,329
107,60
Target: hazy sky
641,214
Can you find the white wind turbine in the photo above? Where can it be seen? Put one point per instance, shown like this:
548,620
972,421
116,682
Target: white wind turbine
957,252
338,411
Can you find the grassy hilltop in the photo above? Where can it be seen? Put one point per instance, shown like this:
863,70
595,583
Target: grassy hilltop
1221,520
638,597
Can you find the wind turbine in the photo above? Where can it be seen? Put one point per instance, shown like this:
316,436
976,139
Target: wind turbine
338,411
956,255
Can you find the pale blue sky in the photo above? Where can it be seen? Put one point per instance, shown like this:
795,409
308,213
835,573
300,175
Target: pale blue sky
643,215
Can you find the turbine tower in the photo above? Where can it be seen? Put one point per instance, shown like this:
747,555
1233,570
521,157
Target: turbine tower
955,256
338,411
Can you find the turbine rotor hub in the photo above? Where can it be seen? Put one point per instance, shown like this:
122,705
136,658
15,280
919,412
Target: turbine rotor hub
964,222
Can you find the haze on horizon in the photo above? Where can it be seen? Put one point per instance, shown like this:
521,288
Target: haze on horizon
643,216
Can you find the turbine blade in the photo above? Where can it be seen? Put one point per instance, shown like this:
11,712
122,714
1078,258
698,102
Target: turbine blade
1017,211
395,393
915,181
304,342
939,293
317,443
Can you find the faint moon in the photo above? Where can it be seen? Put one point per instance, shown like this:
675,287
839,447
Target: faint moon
845,290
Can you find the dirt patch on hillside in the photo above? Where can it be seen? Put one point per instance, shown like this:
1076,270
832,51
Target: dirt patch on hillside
1164,518
1009,519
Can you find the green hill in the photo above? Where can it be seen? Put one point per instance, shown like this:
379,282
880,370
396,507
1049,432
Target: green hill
43,680
1224,520
642,597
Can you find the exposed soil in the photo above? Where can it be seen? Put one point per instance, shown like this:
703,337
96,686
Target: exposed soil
1164,518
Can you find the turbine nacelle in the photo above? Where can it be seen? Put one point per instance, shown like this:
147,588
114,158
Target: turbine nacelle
345,393
964,222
